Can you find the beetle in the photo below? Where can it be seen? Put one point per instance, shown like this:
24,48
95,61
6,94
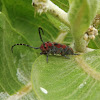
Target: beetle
50,47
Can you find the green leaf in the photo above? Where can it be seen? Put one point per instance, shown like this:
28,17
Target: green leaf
95,44
84,12
77,78
81,14
25,21
0,6
63,4
98,11
70,1
15,67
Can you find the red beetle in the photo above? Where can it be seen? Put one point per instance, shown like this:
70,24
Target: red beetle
50,47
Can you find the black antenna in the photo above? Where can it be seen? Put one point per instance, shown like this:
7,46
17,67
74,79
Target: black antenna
24,45
40,29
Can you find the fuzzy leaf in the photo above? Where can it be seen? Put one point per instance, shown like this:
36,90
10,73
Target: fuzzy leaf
81,14
77,78
98,11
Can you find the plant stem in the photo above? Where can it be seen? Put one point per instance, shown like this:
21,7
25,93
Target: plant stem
47,5
80,45
58,13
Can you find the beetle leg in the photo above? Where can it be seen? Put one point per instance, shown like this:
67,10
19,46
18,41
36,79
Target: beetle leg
41,53
47,57
66,57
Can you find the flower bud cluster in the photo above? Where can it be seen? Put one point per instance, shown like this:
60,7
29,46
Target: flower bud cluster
90,33
40,5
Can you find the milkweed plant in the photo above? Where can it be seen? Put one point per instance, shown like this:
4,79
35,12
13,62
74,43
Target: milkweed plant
25,74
